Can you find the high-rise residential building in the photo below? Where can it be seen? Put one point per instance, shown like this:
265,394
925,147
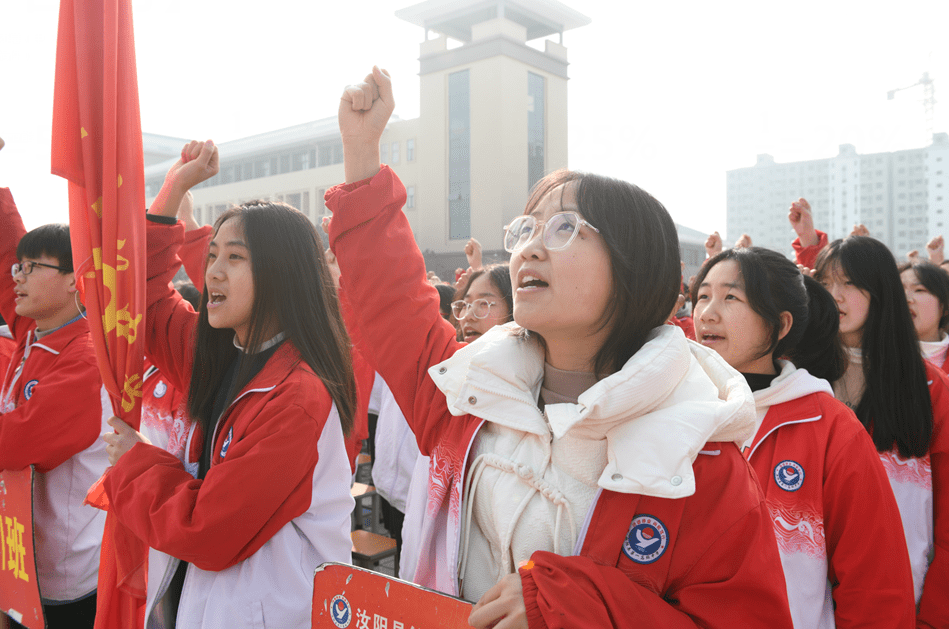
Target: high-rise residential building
901,196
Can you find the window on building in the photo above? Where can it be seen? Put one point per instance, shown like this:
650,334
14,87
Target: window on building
536,129
293,199
301,160
410,150
459,155
320,202
394,155
338,153
384,152
410,197
284,164
326,154
262,168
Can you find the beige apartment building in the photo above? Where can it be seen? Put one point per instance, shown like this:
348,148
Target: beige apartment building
492,122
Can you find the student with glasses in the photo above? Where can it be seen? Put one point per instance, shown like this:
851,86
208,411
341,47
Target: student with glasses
484,301
53,408
584,468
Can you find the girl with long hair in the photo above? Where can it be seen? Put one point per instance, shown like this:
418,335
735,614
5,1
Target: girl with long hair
927,295
584,468
267,369
826,490
902,401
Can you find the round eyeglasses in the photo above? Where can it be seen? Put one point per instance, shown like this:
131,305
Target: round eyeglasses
27,267
480,308
557,233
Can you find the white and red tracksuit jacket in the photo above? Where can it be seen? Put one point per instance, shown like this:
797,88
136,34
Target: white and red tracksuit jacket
833,510
275,503
53,408
707,558
921,487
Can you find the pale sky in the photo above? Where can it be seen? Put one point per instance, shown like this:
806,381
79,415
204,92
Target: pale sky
668,95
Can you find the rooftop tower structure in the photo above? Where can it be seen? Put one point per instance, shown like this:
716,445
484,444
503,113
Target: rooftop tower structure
495,111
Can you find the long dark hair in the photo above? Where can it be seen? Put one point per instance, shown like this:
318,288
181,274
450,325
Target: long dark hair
895,406
773,285
936,281
643,246
292,289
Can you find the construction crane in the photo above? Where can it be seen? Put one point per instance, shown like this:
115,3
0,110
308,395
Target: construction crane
929,98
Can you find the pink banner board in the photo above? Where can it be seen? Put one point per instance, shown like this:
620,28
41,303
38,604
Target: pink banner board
348,597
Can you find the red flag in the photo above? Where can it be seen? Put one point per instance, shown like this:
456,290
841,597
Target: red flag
97,147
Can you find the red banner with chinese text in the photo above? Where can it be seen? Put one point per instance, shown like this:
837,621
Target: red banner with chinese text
346,596
19,587
97,147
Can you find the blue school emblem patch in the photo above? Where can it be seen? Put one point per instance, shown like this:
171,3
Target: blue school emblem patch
647,539
227,442
28,388
340,611
789,475
161,389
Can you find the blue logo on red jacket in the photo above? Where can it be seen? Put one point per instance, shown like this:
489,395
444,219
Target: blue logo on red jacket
789,475
340,611
28,388
227,442
647,539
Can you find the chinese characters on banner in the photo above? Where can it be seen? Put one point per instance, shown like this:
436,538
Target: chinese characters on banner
345,596
19,590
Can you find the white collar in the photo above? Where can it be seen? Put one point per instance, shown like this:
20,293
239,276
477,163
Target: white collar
263,346
680,394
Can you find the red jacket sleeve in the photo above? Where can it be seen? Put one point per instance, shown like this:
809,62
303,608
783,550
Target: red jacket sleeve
62,417
218,522
170,321
872,582
934,603
194,254
807,256
395,307
573,592
11,231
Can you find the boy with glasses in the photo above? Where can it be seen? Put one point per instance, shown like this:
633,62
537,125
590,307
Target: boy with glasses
53,408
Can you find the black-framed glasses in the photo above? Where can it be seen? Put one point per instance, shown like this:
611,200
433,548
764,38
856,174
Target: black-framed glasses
557,233
480,308
27,267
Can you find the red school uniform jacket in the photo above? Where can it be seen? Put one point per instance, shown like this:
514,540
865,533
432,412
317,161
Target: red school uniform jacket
833,510
719,565
921,488
53,408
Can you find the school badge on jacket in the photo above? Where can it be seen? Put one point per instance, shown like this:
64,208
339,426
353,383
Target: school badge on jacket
789,475
647,539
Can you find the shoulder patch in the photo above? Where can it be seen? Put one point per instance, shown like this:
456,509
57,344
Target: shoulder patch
647,539
28,388
789,475
161,389
227,442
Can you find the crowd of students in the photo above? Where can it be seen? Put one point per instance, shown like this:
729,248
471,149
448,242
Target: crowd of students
562,457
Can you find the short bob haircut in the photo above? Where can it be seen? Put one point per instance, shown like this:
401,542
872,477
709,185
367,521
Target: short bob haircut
50,240
895,407
643,246
773,285
936,281
500,277
292,289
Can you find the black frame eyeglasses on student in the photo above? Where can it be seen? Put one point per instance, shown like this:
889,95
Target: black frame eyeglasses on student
27,267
